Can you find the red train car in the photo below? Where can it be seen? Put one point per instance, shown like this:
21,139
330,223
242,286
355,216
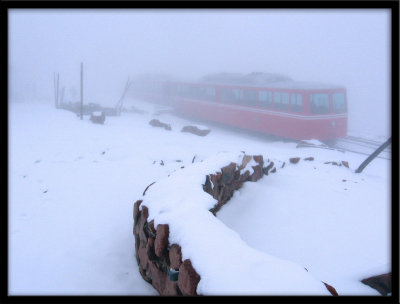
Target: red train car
285,108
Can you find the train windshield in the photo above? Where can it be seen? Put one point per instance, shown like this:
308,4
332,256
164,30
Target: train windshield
339,102
319,103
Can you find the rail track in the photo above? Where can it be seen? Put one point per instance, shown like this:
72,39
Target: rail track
353,144
362,146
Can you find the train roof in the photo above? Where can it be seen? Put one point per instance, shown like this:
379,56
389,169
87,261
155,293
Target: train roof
294,85
265,80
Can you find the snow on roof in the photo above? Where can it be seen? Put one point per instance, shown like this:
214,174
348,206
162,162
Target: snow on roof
225,263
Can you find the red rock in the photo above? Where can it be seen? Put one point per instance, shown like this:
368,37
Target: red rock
207,185
228,173
294,160
237,184
267,168
257,174
245,161
157,123
171,288
345,163
332,163
382,283
137,242
136,211
331,289
161,242
244,177
175,256
158,278
150,248
188,279
259,159
195,130
143,258
151,228
145,212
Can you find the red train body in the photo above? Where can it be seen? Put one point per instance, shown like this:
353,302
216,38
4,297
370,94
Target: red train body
289,109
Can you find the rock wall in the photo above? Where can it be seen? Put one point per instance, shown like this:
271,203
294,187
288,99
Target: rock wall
160,263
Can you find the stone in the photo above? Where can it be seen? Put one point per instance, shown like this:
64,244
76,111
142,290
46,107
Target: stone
382,283
143,257
175,256
188,279
145,212
195,130
259,159
150,227
244,177
331,289
245,161
267,168
345,163
150,248
141,225
257,174
157,123
294,160
207,185
136,211
158,278
332,163
309,158
171,288
161,242
228,173
137,242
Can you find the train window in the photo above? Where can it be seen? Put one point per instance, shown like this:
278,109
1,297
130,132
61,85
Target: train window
265,99
297,102
197,92
281,101
210,93
339,103
319,103
225,95
237,96
250,97
184,90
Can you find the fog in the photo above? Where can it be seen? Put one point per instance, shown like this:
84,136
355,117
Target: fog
343,47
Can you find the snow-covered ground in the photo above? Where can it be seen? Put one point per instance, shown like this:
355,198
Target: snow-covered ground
72,185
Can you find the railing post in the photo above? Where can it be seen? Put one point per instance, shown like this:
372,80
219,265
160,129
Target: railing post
373,155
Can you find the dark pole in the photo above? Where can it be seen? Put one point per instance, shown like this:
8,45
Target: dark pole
81,90
55,90
373,155
58,91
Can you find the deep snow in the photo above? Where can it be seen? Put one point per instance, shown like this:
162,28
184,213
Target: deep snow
72,185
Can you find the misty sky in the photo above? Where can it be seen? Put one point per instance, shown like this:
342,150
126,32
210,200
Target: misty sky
344,47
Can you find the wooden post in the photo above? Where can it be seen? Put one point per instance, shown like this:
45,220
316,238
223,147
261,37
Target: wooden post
373,155
81,90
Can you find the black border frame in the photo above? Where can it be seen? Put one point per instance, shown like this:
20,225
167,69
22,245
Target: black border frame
392,5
